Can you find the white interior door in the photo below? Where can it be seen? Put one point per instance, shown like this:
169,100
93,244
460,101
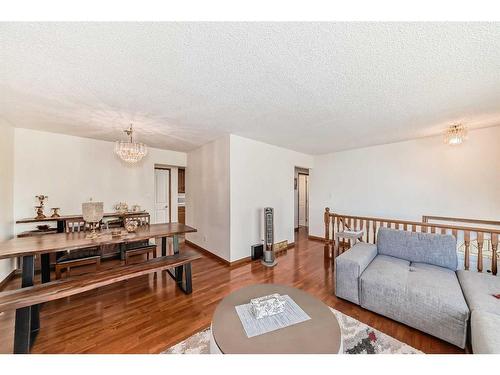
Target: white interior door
303,199
162,194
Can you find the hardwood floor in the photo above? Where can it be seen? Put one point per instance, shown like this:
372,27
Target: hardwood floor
149,314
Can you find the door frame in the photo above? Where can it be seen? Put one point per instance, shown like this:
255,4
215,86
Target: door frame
169,191
298,199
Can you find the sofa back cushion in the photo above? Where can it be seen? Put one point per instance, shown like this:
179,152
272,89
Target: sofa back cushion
437,249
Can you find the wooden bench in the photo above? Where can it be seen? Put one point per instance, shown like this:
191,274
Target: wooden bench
25,298
150,249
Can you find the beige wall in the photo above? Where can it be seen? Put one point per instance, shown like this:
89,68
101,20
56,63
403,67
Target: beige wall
406,180
6,192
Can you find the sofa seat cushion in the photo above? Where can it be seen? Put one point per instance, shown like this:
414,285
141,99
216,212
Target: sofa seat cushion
420,295
431,248
478,289
485,332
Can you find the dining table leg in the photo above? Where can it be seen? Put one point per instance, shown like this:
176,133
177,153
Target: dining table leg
27,321
164,246
45,264
177,272
175,240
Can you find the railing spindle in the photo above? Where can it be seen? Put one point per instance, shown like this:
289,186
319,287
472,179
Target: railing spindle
480,239
467,249
327,225
494,249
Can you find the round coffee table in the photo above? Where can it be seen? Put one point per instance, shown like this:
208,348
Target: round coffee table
319,335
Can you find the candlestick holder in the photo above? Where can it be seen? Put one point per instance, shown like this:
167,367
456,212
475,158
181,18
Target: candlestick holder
39,213
55,212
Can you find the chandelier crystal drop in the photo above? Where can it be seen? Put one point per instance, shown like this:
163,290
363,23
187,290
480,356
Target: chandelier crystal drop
455,135
130,151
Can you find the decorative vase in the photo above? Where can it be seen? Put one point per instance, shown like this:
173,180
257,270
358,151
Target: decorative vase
93,212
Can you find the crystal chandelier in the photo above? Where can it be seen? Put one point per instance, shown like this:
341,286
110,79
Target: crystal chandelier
130,151
455,134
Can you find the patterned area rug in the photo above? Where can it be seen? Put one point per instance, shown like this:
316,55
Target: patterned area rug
358,339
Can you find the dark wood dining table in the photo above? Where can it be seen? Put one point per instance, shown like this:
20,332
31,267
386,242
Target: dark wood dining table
29,247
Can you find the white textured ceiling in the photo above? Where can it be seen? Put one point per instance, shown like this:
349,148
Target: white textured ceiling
311,87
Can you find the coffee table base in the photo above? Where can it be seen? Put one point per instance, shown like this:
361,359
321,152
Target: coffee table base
214,348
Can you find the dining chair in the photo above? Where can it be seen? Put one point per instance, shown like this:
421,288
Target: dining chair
78,257
139,247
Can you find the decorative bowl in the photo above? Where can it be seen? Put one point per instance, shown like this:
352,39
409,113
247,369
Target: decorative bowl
267,305
131,226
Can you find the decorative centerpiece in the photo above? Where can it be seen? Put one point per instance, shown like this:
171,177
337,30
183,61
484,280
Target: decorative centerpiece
267,305
93,213
136,208
121,208
55,212
131,225
39,209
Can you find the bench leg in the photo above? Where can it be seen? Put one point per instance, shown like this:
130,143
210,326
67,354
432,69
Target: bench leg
185,285
27,319
188,288
22,331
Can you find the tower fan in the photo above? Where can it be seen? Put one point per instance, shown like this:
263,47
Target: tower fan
269,259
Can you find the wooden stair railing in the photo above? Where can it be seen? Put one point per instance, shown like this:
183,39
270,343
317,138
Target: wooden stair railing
484,239
429,218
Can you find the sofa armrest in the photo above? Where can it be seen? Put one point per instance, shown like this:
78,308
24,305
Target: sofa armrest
348,268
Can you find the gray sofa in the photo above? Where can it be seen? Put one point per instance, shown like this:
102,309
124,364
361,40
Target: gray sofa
408,277
479,289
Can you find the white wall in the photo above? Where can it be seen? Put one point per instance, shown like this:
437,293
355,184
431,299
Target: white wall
409,179
261,176
6,192
207,196
70,170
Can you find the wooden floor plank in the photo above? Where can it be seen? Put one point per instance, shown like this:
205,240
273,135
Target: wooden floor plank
148,314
